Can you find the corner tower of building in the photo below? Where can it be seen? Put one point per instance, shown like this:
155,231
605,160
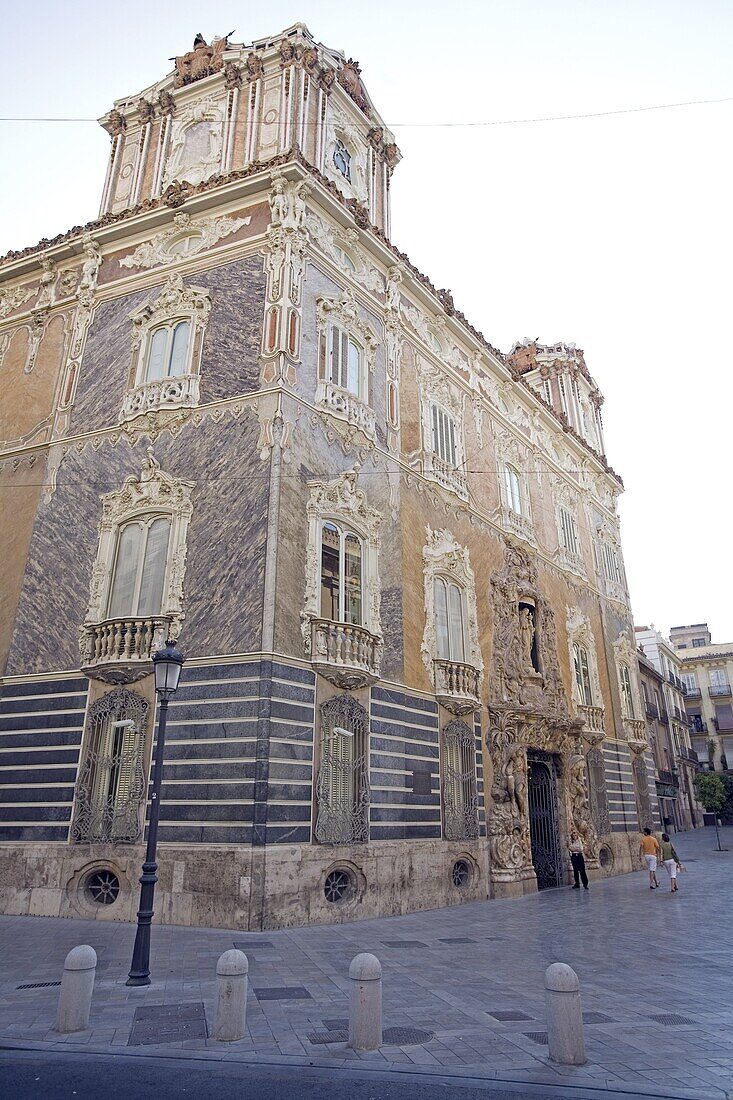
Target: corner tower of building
227,106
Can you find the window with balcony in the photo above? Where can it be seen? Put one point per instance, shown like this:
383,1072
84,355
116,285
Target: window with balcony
137,581
581,668
346,359
450,643
627,695
443,435
166,349
689,679
460,795
341,624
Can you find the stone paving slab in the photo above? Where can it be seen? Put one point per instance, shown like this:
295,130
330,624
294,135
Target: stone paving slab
471,975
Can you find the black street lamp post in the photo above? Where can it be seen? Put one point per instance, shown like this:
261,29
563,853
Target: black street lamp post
167,664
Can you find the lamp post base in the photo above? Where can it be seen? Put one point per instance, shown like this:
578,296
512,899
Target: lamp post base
140,967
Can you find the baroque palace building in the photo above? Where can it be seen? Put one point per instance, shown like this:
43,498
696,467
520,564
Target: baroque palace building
234,414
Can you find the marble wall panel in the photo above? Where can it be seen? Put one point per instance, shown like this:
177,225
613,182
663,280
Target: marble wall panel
226,539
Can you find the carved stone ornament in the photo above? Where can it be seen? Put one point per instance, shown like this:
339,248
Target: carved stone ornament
146,110
186,237
578,805
203,60
342,246
196,143
444,556
345,312
254,67
176,299
349,78
511,682
153,492
13,297
232,75
340,128
176,193
287,201
341,501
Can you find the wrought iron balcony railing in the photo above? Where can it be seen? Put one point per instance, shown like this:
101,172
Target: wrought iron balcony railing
692,692
457,686
120,650
652,709
347,655
716,690
163,393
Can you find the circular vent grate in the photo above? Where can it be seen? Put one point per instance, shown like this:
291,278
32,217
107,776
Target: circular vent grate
461,873
338,885
102,887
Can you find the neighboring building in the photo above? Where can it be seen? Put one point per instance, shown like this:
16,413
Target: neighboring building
673,718
707,671
236,415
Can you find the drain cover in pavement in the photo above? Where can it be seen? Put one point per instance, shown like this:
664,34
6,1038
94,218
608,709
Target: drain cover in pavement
596,1018
539,1037
288,993
458,939
167,1024
323,1037
670,1019
254,945
405,1036
404,943
37,985
505,1016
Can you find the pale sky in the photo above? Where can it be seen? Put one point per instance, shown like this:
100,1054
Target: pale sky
613,233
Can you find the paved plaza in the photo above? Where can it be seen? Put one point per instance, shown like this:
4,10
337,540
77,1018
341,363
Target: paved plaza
654,968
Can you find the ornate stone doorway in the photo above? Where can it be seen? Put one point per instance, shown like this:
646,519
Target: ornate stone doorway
543,820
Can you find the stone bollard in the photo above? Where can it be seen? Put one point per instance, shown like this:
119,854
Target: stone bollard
77,986
564,1015
365,1009
230,1023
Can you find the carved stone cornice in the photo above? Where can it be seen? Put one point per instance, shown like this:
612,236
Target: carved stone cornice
199,233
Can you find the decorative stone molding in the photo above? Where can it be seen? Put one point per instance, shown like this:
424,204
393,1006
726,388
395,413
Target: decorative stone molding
287,239
578,805
342,246
341,501
203,60
12,297
345,312
340,127
197,233
444,556
204,158
579,630
512,683
153,492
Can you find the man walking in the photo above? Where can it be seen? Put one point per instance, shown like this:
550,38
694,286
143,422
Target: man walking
650,851
577,858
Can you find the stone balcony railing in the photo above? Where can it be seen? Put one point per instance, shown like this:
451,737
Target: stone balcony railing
347,655
164,393
616,591
120,651
518,525
348,408
593,718
569,559
457,686
447,475
635,729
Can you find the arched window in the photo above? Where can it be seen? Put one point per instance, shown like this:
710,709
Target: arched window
443,434
140,566
627,696
346,360
342,159
513,488
582,674
167,352
342,575
460,797
450,620
342,789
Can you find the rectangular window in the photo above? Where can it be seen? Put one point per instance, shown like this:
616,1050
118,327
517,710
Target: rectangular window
569,531
582,674
698,642
689,679
610,563
513,488
718,678
346,362
444,435
138,576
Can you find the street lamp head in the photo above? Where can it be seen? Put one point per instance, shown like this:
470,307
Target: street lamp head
167,663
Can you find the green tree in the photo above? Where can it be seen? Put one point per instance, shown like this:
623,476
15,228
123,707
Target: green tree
711,792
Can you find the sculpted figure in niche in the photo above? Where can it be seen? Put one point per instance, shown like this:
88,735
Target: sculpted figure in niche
527,638
278,201
46,284
394,279
515,775
91,265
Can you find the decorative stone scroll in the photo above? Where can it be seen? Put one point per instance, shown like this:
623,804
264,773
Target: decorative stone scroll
186,237
12,297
